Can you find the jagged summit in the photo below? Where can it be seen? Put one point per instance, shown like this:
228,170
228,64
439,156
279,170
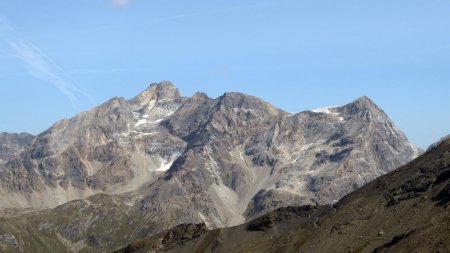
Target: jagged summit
199,95
362,104
364,100
157,93
238,102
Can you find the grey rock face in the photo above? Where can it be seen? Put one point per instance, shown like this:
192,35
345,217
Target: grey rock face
191,160
11,144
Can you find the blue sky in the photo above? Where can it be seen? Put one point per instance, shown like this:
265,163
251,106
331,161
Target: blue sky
58,58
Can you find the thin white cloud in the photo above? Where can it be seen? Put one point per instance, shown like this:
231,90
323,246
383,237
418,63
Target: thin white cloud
44,68
121,2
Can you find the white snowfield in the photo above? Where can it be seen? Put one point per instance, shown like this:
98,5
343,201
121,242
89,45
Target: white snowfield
325,109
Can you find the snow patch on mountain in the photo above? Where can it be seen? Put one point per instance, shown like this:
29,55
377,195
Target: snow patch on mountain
325,109
165,165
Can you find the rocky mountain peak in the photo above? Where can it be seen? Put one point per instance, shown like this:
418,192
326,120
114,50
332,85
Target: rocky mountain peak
237,102
156,93
200,96
362,104
364,108
239,99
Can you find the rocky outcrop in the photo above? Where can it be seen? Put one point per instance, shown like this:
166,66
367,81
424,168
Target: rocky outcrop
167,240
8,242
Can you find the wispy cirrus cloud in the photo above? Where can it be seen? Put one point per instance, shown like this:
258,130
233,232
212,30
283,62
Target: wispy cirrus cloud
121,3
44,68
41,66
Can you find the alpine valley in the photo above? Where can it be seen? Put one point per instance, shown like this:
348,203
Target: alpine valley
169,169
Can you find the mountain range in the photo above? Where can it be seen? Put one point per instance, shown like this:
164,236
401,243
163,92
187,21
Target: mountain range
129,169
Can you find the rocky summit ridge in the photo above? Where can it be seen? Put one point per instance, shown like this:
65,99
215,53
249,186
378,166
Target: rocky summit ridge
159,160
